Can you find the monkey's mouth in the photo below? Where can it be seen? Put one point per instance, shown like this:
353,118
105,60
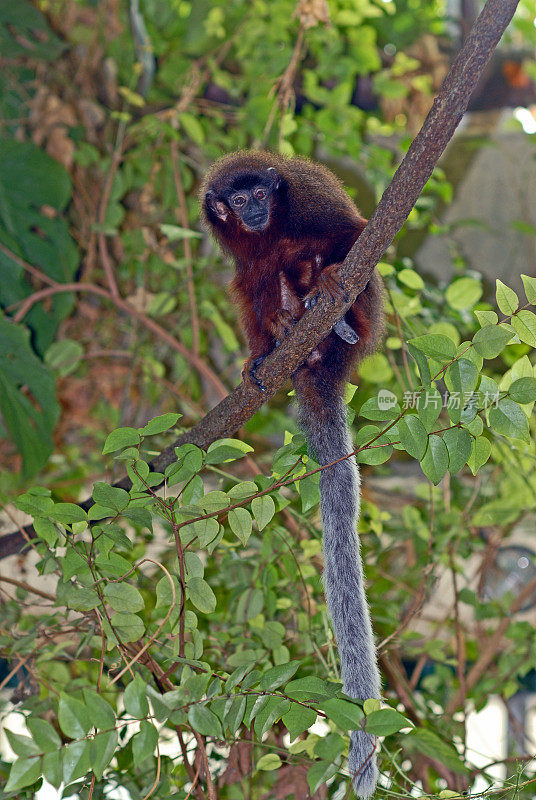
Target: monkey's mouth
255,224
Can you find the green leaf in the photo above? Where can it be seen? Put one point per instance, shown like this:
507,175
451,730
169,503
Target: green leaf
235,677
189,462
21,745
205,530
110,496
330,747
524,324
204,721
174,233
309,491
121,437
486,318
135,698
53,768
480,452
270,714
427,742
463,293
507,299
76,760
298,719
436,459
475,426
383,407
43,734
160,424
347,716
370,452
164,593
509,420
67,513
64,356
263,510
80,599
23,772
491,340
385,722
101,712
459,444
234,713
413,436
215,501
194,565
371,704
523,390
422,363
411,279
144,743
277,676
250,604
123,597
319,773
36,505
530,288
461,379
192,127
225,450
28,402
46,530
435,346
73,717
240,523
429,404
269,762
305,689
129,627
201,595
102,750
461,376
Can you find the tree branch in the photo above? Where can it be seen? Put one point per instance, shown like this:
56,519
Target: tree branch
388,218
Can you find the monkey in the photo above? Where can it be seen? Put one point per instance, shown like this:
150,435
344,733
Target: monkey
288,224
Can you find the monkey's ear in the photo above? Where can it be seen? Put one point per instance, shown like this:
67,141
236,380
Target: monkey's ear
216,206
274,174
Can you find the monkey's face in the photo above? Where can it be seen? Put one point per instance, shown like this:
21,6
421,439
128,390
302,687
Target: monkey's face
248,197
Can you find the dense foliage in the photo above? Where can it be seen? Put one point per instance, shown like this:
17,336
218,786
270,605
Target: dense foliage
185,649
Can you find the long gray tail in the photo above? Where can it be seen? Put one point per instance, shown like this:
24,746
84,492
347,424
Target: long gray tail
329,439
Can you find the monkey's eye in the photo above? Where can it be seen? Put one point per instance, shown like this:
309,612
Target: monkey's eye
238,200
260,194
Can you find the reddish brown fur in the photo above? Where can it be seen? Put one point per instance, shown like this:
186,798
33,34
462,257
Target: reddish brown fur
313,225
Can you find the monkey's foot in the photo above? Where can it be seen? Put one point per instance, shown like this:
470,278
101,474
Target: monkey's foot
281,325
249,371
328,285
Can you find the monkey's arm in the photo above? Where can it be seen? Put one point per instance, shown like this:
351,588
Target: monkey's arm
263,322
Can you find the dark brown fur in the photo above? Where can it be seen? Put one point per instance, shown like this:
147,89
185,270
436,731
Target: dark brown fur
312,227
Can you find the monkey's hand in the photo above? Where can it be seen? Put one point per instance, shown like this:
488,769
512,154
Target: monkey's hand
281,325
329,286
249,371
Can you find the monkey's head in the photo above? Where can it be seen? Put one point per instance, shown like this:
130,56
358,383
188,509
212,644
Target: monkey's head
243,194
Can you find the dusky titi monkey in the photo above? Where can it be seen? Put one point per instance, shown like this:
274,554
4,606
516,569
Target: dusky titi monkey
288,224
